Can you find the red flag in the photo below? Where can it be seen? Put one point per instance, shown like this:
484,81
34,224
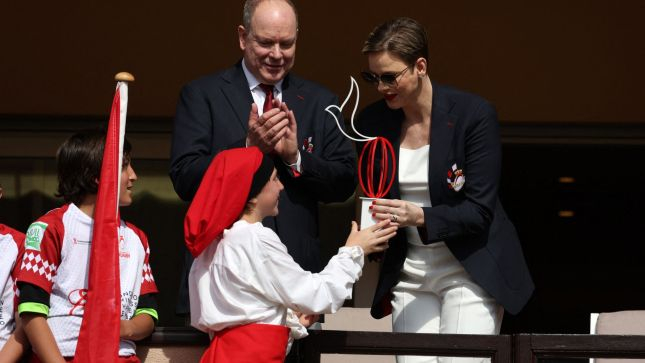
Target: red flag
98,339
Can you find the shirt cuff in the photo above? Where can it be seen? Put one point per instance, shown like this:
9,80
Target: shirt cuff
354,252
152,312
297,330
295,167
34,308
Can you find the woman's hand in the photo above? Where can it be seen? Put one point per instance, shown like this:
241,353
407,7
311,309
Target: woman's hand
399,212
372,239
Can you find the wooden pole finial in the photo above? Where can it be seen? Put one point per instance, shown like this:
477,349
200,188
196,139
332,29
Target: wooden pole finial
124,77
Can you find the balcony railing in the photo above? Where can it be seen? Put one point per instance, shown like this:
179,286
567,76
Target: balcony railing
520,348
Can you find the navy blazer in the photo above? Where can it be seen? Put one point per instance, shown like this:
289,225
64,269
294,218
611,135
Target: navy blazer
212,115
469,219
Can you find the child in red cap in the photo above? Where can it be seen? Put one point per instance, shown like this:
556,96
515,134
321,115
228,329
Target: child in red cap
245,289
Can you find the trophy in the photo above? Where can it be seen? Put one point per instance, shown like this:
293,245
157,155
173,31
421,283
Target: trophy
378,151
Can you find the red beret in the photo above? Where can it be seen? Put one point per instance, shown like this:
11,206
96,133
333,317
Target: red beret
221,197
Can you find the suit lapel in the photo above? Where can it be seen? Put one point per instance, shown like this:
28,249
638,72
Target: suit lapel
237,93
293,95
441,138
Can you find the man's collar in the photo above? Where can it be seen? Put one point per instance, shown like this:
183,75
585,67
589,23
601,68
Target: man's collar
253,82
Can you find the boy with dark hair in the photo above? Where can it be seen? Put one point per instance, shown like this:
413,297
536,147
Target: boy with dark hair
54,272
12,340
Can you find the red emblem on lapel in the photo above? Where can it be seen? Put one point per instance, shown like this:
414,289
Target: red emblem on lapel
456,178
307,145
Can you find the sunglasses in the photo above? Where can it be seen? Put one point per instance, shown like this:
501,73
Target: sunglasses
388,78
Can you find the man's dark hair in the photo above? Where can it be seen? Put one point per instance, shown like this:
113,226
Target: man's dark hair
79,161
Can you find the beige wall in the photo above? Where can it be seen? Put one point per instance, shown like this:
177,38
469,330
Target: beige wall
578,60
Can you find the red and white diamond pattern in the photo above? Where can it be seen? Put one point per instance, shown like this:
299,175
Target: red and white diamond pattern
38,265
147,273
16,291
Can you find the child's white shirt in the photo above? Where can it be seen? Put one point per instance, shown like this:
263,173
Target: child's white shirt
249,277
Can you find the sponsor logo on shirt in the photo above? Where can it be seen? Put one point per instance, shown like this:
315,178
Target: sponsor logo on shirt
122,252
129,302
80,242
35,235
77,298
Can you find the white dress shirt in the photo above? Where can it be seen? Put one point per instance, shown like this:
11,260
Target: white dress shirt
248,277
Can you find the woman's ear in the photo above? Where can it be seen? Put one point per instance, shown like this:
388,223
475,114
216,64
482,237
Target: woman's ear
421,66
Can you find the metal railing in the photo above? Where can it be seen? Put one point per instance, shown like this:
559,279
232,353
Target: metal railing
531,347
496,347
519,348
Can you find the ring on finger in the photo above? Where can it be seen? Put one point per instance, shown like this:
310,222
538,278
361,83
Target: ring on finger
394,217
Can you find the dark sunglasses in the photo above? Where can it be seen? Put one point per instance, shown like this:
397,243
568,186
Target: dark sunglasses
388,78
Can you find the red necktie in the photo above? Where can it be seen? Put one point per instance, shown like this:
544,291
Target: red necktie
268,100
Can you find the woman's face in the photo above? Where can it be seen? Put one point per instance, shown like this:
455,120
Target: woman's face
267,199
407,82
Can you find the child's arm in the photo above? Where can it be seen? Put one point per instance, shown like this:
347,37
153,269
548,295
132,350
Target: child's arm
41,338
284,282
143,322
137,328
33,310
16,346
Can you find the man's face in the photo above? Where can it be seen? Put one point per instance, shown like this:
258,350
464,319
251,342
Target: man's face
269,47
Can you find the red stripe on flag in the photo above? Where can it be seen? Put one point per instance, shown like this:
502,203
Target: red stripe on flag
98,340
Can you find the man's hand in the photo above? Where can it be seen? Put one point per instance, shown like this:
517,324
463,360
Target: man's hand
287,147
267,130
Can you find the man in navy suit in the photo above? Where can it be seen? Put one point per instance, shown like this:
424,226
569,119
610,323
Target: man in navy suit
259,102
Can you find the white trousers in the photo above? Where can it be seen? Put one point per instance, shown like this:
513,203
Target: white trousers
436,295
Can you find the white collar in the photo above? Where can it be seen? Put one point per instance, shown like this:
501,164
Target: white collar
253,82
